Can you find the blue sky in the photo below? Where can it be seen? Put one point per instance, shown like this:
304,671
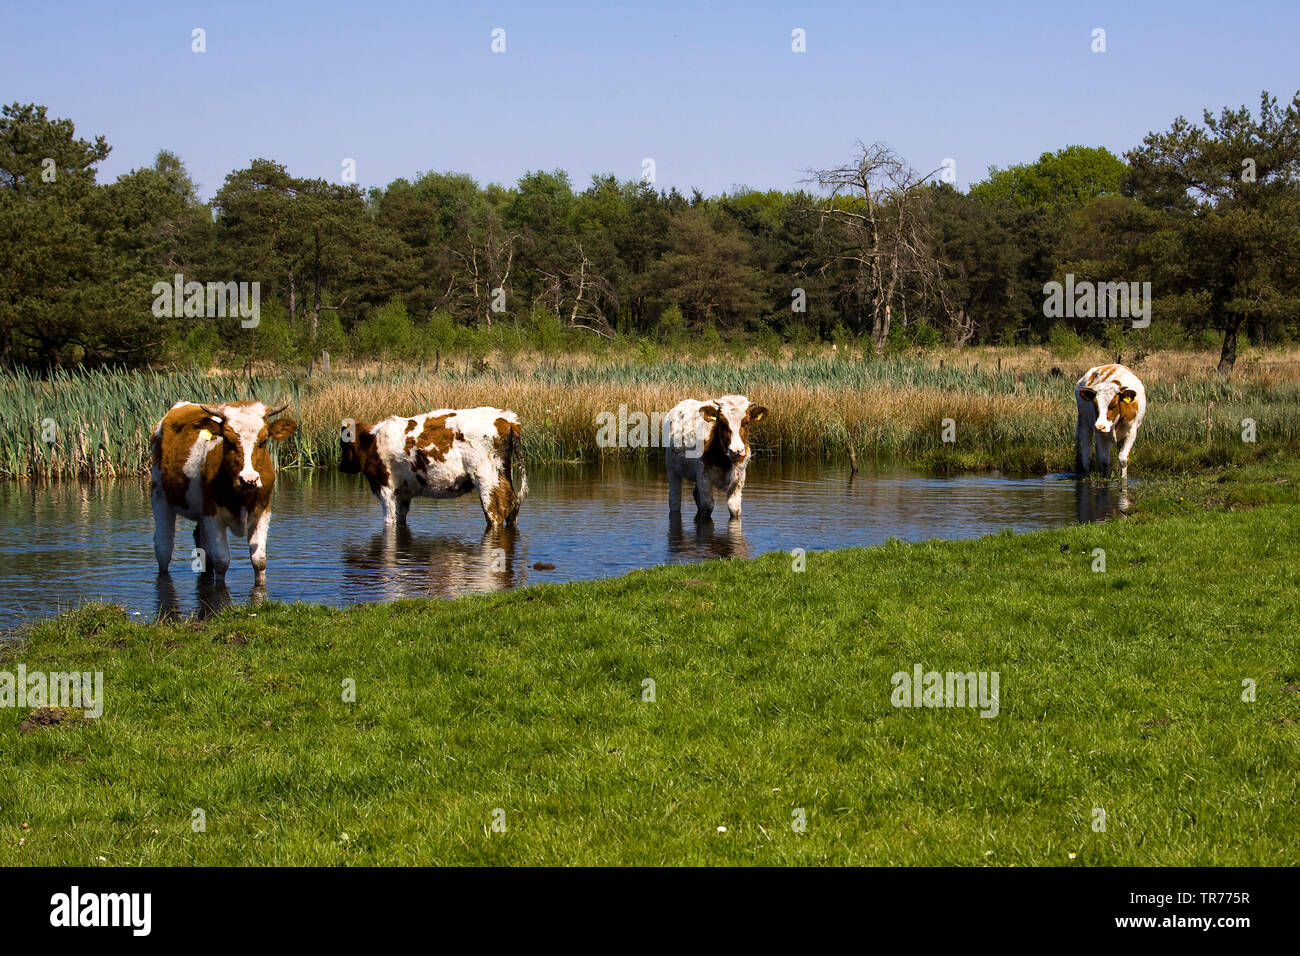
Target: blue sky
711,91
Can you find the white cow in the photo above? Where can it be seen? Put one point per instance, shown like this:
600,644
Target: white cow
440,454
708,442
1111,403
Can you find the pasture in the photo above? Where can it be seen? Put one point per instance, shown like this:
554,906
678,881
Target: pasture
1120,691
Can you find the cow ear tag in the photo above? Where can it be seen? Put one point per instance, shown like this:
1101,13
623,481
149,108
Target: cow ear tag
205,435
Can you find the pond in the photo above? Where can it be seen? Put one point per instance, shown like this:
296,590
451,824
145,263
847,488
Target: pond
64,543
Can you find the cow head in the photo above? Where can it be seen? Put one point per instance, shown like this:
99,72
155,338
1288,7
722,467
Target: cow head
1114,403
730,417
245,430
355,441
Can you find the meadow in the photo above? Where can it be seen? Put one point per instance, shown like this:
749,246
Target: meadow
1011,409
520,728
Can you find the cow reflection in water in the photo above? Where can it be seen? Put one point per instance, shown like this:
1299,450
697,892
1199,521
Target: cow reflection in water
401,563
1098,502
705,540
211,595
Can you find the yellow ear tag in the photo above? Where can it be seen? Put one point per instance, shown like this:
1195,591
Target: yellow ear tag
205,435
1128,399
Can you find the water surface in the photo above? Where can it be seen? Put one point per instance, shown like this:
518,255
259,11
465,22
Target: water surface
64,543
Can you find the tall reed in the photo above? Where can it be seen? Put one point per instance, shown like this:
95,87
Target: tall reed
98,423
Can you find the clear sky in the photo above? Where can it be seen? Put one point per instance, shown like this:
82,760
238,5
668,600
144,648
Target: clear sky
711,91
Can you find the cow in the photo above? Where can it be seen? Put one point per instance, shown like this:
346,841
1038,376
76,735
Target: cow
708,442
444,453
212,465
1111,403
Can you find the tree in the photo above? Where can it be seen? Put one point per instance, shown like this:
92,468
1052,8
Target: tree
707,272
1230,192
1068,177
874,221
59,273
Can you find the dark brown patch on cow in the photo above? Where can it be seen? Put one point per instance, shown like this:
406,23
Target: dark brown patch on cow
436,438
1098,375
360,455
503,433
753,415
715,449
503,503
180,429
1123,405
410,425
421,465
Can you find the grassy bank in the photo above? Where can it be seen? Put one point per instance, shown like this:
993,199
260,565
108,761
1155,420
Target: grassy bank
1119,690
1016,415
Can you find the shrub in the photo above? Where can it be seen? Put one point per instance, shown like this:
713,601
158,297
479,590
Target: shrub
1064,342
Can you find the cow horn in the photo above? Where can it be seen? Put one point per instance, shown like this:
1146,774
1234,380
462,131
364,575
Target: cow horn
276,411
213,412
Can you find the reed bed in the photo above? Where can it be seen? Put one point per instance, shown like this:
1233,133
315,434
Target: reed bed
887,409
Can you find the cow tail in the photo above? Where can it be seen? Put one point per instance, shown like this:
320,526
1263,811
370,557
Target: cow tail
516,456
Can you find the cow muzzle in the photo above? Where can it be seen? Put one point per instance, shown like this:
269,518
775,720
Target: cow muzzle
249,481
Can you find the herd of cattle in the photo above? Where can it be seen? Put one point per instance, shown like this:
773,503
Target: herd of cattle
211,464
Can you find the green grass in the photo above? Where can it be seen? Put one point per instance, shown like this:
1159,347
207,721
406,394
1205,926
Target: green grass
1120,690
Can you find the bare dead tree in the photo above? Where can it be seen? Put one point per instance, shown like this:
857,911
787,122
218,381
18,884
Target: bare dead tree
486,262
580,292
874,220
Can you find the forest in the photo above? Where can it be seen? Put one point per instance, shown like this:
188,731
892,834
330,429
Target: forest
875,253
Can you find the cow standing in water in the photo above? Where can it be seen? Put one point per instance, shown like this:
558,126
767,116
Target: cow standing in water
1111,403
708,443
212,466
445,453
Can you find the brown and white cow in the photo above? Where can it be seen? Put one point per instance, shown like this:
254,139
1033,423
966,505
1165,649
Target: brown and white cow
1111,403
444,453
708,443
211,464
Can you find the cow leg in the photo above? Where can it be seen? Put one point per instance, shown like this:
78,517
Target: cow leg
1125,447
388,498
1082,447
164,530
214,534
733,500
703,500
674,491
1104,445
403,508
257,546
200,547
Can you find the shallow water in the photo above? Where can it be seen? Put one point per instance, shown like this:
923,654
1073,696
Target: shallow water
65,543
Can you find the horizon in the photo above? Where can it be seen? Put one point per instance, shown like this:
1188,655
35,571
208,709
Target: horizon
720,102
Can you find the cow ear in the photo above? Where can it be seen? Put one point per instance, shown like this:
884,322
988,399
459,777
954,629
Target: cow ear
1087,394
709,412
1128,395
757,413
282,428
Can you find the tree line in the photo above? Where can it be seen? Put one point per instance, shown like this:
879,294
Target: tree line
872,251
